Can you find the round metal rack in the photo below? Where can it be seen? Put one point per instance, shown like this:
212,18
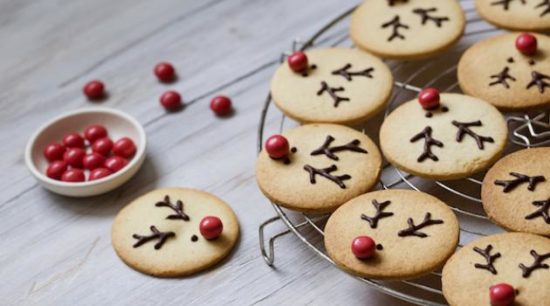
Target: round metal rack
526,130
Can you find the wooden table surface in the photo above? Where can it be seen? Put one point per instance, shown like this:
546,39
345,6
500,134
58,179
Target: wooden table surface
56,250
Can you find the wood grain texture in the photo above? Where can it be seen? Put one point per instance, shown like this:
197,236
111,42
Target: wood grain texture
56,250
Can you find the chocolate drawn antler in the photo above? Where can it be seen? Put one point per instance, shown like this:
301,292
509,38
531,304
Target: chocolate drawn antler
413,230
329,151
156,235
178,209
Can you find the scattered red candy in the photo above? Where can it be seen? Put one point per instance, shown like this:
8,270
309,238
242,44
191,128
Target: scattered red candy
211,227
98,173
56,169
115,163
95,132
277,146
124,147
363,247
502,295
526,43
171,100
93,161
298,62
221,105
94,90
73,140
429,98
165,72
54,152
74,156
103,146
73,175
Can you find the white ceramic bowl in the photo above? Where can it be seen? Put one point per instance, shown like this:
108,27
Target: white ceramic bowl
118,124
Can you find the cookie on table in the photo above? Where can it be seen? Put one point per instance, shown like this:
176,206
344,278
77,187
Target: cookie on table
392,234
317,167
516,191
174,232
510,71
454,138
520,15
503,269
407,29
335,85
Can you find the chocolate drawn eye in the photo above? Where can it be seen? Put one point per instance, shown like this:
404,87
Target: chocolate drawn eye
194,238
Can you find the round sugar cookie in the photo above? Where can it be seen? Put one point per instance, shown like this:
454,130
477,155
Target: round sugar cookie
516,191
407,29
520,15
159,233
328,165
519,260
342,86
464,136
495,71
414,233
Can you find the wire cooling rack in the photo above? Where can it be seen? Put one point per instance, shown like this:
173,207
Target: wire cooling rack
463,196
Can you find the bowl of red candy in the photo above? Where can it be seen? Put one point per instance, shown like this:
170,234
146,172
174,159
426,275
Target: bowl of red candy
86,152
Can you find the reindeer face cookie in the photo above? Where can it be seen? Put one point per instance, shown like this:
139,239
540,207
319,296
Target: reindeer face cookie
464,135
335,86
516,191
407,29
521,15
503,269
174,232
507,73
391,234
321,167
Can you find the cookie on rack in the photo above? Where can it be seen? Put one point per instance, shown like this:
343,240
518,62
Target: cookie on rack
510,71
503,269
407,29
317,167
443,137
516,191
174,232
392,234
519,15
335,85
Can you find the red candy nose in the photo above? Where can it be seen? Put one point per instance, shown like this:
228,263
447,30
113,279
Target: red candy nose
502,295
363,247
429,98
526,44
277,146
211,227
298,62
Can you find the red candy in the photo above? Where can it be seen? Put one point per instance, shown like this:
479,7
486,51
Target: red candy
74,156
165,72
73,175
103,146
171,100
124,147
73,140
277,146
94,90
211,227
56,169
221,105
54,152
298,62
502,295
95,132
115,163
429,98
93,161
363,247
526,44
98,173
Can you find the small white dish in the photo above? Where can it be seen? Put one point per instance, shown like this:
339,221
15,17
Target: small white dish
118,124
